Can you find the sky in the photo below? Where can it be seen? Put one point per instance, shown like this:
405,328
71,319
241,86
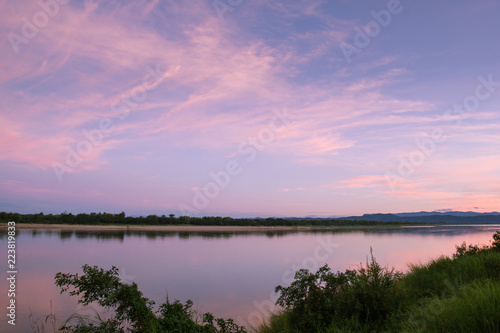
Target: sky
249,107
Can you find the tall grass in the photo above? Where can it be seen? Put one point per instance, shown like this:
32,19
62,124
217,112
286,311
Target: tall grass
279,322
475,308
444,275
48,324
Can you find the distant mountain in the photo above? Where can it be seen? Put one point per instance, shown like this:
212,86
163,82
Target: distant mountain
433,217
453,213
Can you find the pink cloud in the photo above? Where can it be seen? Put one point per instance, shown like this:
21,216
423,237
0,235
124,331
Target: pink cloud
293,189
214,72
362,182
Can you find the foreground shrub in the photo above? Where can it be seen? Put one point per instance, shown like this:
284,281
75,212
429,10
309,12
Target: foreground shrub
496,241
133,311
360,299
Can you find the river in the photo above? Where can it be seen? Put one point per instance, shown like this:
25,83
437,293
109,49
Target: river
231,274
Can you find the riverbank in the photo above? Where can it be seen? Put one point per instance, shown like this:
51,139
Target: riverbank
199,228
174,228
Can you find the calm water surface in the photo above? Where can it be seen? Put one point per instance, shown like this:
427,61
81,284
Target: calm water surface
230,274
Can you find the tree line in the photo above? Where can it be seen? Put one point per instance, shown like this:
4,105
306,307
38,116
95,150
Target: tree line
171,219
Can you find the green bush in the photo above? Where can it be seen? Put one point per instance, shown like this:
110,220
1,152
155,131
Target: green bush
360,299
133,311
496,241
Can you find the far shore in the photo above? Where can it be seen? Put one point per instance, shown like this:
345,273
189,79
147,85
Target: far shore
157,227
181,228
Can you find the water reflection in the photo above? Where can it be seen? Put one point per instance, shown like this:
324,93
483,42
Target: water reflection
121,235
443,230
